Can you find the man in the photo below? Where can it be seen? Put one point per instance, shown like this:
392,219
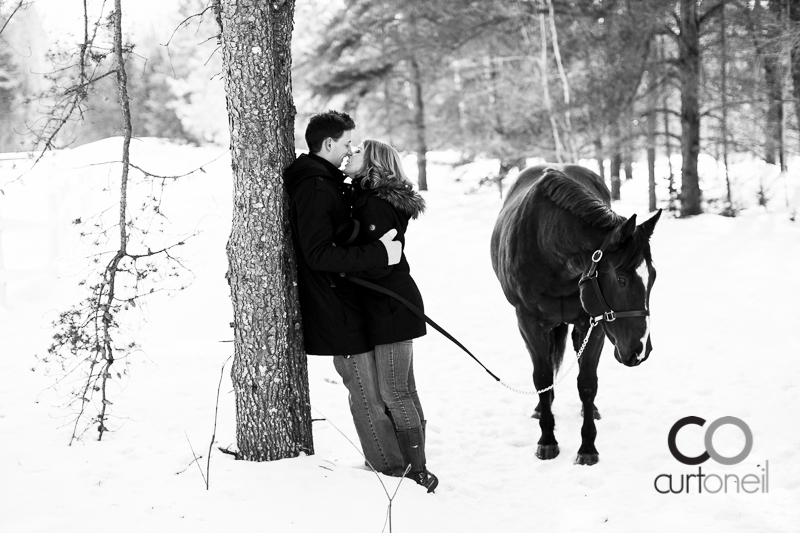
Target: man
333,323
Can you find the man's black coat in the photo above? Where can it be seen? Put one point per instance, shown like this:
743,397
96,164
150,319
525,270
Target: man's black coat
333,321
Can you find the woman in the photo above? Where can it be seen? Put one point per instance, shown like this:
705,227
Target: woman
385,199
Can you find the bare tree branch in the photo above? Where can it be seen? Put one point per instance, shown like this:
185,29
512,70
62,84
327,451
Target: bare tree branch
22,4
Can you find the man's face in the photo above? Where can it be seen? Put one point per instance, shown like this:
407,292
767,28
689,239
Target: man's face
341,149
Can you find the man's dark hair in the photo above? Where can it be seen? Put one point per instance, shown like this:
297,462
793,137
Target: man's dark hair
332,124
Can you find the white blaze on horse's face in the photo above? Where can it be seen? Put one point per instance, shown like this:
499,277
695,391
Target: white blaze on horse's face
644,273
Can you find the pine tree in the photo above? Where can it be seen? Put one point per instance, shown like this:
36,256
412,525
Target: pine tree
269,374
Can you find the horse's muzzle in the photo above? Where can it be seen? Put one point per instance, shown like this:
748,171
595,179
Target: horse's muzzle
633,359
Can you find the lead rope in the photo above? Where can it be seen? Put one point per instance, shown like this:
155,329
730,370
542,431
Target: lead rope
417,311
562,375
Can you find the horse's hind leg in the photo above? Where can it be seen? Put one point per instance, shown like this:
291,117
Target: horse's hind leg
587,388
537,340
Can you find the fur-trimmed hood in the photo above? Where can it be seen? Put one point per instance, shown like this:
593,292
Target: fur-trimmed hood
406,200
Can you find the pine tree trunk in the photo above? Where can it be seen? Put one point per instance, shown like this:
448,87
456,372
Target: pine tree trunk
667,133
773,78
689,67
616,165
768,57
490,70
724,97
270,379
599,156
546,91
794,21
461,106
651,137
569,139
419,127
627,152
387,106
628,164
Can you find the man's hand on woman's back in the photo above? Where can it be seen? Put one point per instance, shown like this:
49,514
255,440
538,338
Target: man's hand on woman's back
394,249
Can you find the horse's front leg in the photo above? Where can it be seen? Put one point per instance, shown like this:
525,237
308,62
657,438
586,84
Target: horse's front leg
587,388
537,340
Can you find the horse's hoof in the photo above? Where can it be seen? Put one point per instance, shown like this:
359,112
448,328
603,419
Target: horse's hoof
595,413
546,452
587,459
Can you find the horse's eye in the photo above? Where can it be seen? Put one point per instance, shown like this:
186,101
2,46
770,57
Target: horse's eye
622,281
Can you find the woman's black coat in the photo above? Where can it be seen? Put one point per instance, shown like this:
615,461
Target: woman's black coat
377,211
333,319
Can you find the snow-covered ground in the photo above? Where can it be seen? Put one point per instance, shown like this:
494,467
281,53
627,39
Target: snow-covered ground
725,316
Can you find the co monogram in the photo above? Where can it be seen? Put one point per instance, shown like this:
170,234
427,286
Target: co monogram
709,440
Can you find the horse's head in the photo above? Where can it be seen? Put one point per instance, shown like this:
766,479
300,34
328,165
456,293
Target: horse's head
625,277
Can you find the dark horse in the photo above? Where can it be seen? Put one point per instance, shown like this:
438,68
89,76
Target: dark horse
564,257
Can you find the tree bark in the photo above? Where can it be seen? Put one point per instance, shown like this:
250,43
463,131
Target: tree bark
652,116
599,156
419,127
627,142
616,165
546,91
569,139
461,107
269,373
773,77
667,134
110,277
769,57
724,97
794,21
689,68
628,163
387,106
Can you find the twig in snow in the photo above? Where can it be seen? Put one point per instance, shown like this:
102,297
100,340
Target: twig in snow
196,459
188,466
228,451
390,498
214,434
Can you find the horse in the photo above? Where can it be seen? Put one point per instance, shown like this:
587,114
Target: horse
562,257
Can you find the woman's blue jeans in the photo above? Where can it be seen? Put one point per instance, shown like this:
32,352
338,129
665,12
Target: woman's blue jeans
395,368
373,425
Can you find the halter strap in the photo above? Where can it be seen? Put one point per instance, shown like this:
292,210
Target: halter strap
609,315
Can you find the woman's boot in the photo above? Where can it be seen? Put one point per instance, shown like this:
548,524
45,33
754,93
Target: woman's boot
412,446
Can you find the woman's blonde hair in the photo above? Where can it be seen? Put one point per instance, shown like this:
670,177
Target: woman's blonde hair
382,167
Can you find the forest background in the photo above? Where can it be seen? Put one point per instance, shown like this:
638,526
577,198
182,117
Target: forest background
616,81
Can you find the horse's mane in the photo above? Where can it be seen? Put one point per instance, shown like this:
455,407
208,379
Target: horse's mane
570,195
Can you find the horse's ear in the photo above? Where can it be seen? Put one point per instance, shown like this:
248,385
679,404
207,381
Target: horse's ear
650,224
626,230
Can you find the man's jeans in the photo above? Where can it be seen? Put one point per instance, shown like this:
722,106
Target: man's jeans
395,366
374,428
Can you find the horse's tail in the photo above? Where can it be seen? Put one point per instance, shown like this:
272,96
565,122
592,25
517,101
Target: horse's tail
557,346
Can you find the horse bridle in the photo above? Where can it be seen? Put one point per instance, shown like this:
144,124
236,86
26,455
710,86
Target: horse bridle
609,315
